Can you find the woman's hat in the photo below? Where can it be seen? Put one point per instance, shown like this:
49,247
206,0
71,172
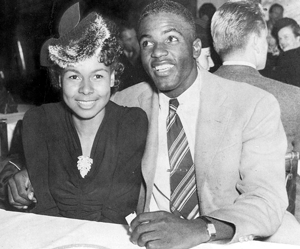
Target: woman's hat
78,40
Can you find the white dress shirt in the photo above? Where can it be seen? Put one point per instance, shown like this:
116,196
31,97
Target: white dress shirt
188,112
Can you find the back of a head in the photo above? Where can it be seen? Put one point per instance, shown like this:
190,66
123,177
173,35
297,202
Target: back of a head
168,6
232,24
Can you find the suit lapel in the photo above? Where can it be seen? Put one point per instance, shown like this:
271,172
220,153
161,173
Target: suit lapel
213,120
149,103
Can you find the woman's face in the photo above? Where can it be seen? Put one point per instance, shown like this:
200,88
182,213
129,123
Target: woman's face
205,59
86,88
287,39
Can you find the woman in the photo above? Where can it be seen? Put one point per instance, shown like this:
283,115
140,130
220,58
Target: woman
83,155
287,68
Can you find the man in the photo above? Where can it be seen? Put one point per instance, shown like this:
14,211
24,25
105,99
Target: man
244,53
230,130
131,58
232,138
243,49
275,13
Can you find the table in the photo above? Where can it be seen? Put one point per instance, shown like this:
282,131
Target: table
30,231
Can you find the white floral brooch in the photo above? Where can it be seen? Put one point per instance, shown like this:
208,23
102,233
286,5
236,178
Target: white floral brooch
84,164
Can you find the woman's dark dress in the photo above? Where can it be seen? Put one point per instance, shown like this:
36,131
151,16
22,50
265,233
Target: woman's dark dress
287,68
110,190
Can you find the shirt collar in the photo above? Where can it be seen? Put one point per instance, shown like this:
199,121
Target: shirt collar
242,63
191,93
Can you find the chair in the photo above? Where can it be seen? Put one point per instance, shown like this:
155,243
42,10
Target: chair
3,138
291,167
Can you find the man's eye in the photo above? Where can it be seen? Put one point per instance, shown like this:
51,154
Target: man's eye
172,39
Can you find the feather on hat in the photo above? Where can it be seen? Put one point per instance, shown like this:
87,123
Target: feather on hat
78,40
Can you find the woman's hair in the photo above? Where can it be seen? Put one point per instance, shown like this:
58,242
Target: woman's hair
168,6
286,22
94,35
232,24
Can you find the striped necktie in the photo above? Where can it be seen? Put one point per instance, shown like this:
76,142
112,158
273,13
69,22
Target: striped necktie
182,174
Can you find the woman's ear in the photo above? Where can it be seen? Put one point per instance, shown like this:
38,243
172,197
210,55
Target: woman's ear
112,79
59,81
197,45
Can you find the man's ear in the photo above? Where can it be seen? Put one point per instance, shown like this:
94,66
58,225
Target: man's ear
254,40
112,78
197,45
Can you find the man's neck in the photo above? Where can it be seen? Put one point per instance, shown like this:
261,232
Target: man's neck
238,62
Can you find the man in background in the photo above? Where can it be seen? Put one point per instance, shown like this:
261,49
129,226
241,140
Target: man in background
131,58
243,49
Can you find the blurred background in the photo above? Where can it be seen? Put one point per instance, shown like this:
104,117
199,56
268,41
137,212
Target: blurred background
26,24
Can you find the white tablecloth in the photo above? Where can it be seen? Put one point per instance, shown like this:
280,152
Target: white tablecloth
30,231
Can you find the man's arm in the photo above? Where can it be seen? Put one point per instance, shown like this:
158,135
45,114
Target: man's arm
259,208
165,230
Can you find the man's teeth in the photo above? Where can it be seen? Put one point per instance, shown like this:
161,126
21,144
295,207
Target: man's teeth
163,67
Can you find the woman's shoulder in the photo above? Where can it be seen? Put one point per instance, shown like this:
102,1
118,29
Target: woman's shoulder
45,109
128,113
51,111
130,120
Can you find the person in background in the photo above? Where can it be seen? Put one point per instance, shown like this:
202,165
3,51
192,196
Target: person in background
204,59
244,53
205,13
231,139
83,154
131,58
275,13
287,68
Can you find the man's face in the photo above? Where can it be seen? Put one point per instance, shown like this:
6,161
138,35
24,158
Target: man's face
276,14
129,40
287,39
168,52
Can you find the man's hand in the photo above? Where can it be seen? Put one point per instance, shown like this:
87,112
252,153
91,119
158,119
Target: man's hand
20,191
165,230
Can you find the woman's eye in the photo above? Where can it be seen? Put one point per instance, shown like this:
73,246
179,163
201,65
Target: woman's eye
73,77
98,76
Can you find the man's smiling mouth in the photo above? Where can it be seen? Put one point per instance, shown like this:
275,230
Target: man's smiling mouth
163,68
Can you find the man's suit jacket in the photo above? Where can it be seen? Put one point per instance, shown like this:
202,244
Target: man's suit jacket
288,97
239,153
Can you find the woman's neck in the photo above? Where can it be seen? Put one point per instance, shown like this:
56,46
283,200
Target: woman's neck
87,130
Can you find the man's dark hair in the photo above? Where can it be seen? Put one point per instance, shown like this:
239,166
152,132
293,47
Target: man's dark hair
207,9
167,6
276,5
